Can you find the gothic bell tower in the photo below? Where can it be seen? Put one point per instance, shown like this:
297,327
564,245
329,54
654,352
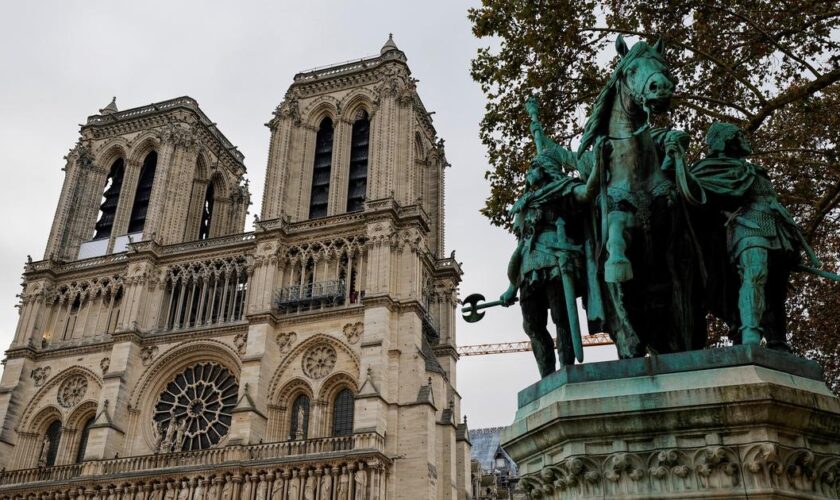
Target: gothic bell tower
126,177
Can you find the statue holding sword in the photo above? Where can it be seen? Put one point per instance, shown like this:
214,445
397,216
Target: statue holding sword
547,266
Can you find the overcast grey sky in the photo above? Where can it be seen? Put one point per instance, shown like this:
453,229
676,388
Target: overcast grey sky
63,60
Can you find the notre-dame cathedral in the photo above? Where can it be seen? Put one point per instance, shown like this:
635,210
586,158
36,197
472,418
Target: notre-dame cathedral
164,353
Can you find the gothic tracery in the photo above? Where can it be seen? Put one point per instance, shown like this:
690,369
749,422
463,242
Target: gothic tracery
194,410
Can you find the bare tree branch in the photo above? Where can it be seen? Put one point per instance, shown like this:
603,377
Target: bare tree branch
827,203
758,94
767,35
792,94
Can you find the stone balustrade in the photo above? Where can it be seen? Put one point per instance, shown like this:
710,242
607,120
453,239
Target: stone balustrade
355,461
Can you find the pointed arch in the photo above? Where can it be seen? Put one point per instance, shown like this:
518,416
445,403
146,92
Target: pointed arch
359,153
419,147
321,107
292,395
322,169
47,391
298,350
77,432
110,200
107,153
142,145
143,193
338,394
359,99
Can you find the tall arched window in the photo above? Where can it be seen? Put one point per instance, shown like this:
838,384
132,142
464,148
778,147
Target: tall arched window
143,193
110,199
83,441
321,170
343,413
299,427
206,213
357,184
54,435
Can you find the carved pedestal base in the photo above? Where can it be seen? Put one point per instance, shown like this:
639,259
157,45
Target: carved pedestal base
739,422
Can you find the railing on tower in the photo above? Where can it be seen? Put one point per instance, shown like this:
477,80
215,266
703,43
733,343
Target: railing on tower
311,295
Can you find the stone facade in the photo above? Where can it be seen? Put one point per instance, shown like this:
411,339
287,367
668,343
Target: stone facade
313,358
738,422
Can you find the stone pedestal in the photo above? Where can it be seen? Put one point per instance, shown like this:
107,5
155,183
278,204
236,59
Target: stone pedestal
738,422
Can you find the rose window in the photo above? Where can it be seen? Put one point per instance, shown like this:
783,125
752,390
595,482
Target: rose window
197,402
319,361
72,391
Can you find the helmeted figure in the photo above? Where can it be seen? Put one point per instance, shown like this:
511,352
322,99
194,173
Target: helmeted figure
544,253
762,239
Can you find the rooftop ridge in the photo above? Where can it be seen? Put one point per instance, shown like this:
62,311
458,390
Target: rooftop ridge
335,65
167,105
488,430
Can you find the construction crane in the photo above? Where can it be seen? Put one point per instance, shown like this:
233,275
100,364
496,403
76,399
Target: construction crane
507,347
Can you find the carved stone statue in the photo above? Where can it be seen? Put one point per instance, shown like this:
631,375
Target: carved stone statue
247,487
262,487
360,487
213,489
180,435
300,430
159,435
326,485
43,458
227,487
343,485
309,486
200,489
169,436
294,486
169,492
277,487
184,491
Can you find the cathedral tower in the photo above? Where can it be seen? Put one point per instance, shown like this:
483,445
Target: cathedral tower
163,352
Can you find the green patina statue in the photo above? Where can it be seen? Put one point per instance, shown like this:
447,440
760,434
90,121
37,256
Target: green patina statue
547,263
762,239
650,244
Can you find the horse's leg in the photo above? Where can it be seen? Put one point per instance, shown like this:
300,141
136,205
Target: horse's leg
618,269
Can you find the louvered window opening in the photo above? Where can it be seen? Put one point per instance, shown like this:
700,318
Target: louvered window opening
357,182
110,200
143,194
54,433
300,410
343,413
199,401
83,441
206,213
319,198
205,293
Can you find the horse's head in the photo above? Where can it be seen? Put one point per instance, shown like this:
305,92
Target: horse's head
644,76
